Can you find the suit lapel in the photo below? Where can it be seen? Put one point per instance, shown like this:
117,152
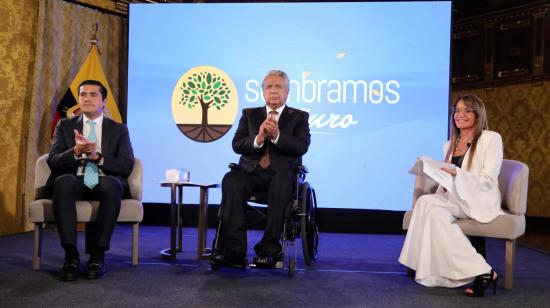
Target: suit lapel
105,137
285,117
260,116
80,124
263,113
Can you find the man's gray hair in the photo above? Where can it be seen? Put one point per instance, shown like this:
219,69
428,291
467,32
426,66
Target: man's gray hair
280,74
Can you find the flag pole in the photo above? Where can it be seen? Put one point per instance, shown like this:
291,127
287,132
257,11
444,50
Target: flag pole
93,39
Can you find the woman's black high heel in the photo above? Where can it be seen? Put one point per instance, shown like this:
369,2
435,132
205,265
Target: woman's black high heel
481,283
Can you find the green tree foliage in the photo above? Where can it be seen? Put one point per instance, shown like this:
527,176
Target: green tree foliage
205,89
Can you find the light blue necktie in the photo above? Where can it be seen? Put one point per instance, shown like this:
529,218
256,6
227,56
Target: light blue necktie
91,174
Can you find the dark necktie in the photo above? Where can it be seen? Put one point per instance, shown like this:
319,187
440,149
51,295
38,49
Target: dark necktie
264,160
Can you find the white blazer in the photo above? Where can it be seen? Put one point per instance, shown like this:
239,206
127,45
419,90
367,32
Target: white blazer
476,190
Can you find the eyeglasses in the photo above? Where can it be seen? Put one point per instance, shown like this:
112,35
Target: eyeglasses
463,110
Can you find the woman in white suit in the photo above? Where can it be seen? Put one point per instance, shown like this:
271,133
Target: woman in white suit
434,247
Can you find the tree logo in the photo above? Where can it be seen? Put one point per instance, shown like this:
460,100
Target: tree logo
204,103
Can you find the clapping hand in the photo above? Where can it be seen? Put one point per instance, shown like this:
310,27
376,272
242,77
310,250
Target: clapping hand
268,130
84,146
271,127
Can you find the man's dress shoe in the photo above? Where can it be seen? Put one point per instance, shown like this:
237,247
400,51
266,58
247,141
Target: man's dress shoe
218,259
95,269
69,271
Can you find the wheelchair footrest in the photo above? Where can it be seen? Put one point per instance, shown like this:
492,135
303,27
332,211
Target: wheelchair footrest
217,260
267,262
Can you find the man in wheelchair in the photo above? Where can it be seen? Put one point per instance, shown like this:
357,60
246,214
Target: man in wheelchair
271,141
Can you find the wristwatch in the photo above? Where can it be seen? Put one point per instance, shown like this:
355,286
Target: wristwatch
98,160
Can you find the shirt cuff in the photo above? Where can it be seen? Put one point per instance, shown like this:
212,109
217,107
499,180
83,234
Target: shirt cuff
256,145
276,139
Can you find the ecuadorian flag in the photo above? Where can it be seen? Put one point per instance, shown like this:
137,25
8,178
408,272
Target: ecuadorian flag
91,69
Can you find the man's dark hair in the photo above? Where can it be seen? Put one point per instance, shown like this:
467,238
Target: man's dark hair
91,82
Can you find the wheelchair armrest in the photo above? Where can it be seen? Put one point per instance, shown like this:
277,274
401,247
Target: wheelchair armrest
301,172
302,169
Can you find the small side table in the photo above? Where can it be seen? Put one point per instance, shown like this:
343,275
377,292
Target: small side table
175,219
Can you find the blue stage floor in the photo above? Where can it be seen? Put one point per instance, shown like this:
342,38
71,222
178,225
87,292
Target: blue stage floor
353,270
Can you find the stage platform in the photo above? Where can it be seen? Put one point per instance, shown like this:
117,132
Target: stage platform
353,270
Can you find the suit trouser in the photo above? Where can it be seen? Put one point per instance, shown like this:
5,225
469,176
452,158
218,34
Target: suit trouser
237,187
68,189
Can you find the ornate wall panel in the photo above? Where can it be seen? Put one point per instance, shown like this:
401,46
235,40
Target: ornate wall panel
17,31
468,55
521,115
511,46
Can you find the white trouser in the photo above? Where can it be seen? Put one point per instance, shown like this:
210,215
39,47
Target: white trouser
438,249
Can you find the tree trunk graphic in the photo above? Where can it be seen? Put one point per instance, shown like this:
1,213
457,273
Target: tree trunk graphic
204,107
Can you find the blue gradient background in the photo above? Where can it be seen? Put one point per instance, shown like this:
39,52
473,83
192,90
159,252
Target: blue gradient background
362,166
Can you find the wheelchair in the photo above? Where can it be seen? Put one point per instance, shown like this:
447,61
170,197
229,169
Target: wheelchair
300,222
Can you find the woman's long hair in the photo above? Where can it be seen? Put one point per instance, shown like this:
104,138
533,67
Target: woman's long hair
481,123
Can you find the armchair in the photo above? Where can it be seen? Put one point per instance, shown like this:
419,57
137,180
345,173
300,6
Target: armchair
41,210
513,183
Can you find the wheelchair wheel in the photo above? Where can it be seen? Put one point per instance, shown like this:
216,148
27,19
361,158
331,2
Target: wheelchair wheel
309,232
214,265
291,267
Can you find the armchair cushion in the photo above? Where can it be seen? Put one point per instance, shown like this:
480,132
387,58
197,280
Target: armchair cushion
507,226
42,211
131,210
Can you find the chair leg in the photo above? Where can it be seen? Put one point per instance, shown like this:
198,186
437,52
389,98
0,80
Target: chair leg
509,261
37,249
135,236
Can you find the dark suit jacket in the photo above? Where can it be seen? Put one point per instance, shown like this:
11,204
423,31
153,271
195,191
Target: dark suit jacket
294,139
116,149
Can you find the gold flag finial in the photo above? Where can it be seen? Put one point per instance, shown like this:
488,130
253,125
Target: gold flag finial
94,40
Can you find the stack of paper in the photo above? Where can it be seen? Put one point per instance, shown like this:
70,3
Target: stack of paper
426,166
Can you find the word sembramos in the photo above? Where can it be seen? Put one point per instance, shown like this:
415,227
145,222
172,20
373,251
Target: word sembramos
333,91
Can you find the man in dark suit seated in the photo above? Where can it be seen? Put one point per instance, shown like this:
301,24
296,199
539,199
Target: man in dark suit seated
271,141
91,156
